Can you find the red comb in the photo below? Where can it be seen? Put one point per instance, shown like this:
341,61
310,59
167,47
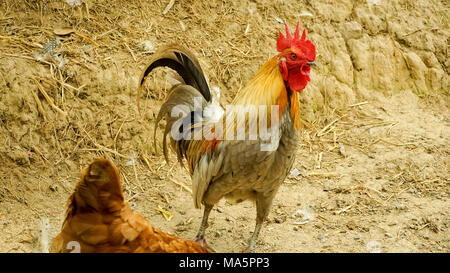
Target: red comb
305,46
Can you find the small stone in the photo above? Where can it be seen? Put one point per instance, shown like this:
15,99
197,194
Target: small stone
390,165
181,228
53,187
278,19
371,155
295,228
130,162
294,172
73,2
342,149
373,247
217,234
280,219
387,234
321,238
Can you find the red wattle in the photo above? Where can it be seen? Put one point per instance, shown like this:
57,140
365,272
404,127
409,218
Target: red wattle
298,79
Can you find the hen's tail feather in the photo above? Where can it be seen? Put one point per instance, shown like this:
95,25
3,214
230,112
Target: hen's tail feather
184,63
100,176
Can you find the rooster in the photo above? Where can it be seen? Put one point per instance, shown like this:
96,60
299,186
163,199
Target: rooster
244,167
99,220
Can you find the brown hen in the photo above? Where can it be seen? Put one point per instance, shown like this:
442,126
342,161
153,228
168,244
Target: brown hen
99,220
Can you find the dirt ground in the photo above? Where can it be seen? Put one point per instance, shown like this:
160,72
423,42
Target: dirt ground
372,173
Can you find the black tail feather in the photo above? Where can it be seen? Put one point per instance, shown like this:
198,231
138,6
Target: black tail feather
184,63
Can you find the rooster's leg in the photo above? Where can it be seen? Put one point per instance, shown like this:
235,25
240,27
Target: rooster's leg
200,238
263,204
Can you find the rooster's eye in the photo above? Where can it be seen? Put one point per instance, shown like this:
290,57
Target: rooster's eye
293,56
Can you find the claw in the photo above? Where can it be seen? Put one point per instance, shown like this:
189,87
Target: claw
203,243
249,250
251,247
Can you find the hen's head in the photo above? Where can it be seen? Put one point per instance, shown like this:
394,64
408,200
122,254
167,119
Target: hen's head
296,58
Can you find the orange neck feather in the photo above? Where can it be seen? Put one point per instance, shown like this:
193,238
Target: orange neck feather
267,88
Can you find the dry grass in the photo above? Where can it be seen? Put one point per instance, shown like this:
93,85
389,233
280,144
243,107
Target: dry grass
79,103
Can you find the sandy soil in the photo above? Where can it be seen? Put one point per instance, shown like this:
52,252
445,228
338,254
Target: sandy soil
373,169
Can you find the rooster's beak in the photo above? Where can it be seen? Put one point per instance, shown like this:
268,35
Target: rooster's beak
312,64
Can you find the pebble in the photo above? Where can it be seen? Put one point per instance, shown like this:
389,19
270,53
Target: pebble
342,149
295,228
53,187
373,247
278,19
294,172
387,234
306,14
181,228
321,238
182,25
371,155
73,2
130,162
279,219
390,165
